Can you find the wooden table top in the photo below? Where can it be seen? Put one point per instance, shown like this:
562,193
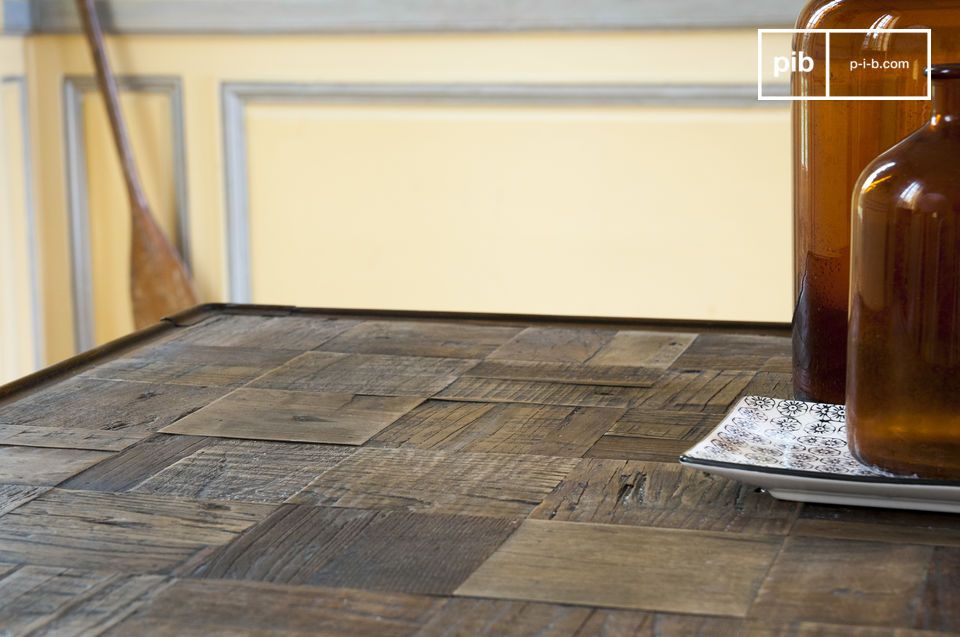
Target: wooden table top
254,471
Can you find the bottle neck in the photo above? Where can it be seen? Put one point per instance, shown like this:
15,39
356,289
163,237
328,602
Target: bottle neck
946,102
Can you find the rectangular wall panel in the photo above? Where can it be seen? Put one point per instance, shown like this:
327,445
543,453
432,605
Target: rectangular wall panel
627,211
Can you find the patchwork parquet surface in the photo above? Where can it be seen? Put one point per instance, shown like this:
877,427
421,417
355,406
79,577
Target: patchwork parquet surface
259,471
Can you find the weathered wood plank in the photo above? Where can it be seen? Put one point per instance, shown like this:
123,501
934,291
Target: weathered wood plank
275,414
137,463
502,485
353,548
569,373
733,352
44,600
102,414
880,525
666,424
422,338
492,390
222,608
501,618
663,495
554,344
638,448
771,384
132,533
44,467
710,391
625,623
643,349
938,606
680,571
187,364
245,470
843,582
14,495
501,428
269,332
366,374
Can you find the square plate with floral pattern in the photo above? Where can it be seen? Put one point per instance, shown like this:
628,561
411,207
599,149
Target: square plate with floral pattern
798,451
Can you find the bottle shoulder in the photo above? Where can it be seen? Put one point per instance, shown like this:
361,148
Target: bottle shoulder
921,165
837,14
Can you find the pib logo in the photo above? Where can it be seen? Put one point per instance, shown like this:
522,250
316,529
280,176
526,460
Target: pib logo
796,62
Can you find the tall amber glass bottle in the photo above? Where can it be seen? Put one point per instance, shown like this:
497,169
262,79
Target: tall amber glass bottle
903,378
833,142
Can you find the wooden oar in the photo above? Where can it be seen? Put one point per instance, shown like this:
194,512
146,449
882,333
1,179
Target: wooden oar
159,283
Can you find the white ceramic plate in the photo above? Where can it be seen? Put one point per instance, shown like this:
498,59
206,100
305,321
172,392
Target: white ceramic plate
798,451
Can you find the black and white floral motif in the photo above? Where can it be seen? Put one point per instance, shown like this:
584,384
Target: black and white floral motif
760,402
783,434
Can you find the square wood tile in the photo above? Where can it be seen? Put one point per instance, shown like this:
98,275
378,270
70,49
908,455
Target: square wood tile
46,600
708,391
276,414
44,467
554,344
134,533
197,607
102,414
501,428
351,548
650,449
187,364
642,568
663,495
246,470
301,333
836,581
880,525
374,375
747,352
501,485
422,338
643,349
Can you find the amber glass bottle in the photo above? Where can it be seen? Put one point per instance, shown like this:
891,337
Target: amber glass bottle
903,383
833,142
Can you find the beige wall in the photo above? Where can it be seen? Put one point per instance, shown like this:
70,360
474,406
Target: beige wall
413,200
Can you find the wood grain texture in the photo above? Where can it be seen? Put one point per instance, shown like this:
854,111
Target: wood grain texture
231,608
569,373
351,548
502,428
554,344
653,449
13,495
366,374
938,606
502,485
879,525
134,465
621,623
643,349
666,424
491,390
132,533
244,470
44,467
104,413
500,618
300,333
275,414
600,565
422,338
708,391
838,581
45,600
186,364
663,495
732,352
